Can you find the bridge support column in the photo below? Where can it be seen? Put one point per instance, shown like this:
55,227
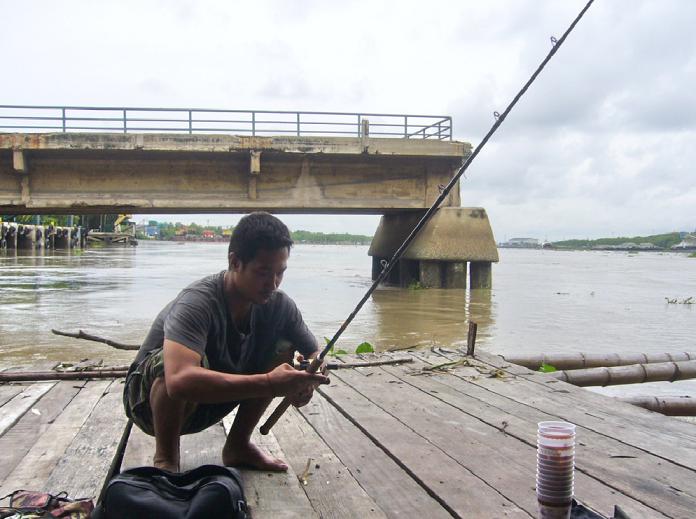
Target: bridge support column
8,239
26,237
480,275
431,273
438,257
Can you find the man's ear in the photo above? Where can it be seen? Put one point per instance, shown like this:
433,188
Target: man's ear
235,262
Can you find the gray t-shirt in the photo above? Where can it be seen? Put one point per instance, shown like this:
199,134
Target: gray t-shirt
198,319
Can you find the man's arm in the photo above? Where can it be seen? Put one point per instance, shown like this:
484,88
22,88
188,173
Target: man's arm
185,379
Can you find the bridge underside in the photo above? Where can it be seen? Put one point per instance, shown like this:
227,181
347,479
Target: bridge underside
82,173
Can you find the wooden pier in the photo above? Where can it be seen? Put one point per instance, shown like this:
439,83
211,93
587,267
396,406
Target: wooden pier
443,436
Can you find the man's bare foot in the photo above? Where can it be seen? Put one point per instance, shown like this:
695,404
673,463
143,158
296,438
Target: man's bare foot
171,466
253,457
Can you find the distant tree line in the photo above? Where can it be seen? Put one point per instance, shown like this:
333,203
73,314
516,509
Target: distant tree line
664,241
330,238
167,231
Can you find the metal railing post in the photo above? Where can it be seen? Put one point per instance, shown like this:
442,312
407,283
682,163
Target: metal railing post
326,123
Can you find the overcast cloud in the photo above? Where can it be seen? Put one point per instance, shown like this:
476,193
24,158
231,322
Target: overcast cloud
603,144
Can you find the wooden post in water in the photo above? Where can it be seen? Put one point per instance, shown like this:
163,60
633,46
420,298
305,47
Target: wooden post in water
471,339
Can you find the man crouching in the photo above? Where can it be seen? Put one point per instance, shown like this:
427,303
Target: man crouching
225,341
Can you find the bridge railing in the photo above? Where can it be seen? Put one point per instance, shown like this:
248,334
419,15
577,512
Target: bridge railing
22,118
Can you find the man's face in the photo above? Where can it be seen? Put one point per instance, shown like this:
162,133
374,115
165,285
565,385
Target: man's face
257,279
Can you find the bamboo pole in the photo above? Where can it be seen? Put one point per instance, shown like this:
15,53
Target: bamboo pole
634,374
346,365
667,405
567,361
121,371
35,376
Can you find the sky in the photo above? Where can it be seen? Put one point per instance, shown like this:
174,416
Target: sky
603,143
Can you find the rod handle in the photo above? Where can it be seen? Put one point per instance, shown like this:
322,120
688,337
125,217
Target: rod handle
277,413
283,406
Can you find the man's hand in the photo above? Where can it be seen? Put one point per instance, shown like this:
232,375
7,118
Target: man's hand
296,385
302,398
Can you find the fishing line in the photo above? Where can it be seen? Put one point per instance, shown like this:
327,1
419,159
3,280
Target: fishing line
387,266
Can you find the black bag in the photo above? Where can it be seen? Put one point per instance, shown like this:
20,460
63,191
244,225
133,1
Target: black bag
148,492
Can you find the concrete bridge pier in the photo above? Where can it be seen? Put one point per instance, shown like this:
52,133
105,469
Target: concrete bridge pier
26,237
454,238
8,236
14,236
62,238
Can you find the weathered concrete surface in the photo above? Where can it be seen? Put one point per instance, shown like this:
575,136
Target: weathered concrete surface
452,234
480,275
150,173
438,256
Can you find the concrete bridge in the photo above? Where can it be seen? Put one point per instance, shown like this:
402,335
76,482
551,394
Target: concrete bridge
78,160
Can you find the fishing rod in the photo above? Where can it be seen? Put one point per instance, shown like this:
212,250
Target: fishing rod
316,362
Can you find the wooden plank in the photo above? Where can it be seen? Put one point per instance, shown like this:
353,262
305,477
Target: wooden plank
16,442
392,488
498,459
83,468
21,403
636,473
645,421
203,448
33,470
273,495
502,414
454,486
139,450
630,425
329,485
7,392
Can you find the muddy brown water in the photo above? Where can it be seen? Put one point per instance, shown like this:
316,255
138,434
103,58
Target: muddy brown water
542,301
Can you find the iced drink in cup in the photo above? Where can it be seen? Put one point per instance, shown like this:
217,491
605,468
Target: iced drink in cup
555,469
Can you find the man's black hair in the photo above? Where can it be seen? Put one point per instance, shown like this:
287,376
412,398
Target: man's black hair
256,231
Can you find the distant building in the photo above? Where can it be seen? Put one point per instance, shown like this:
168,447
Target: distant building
688,243
521,243
151,231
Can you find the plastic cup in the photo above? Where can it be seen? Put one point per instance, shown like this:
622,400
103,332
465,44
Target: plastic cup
550,489
555,476
547,511
556,433
555,468
555,452
555,481
561,468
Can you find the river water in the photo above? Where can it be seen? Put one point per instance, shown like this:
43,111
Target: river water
541,301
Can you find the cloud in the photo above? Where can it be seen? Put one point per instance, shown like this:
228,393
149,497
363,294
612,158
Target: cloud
601,143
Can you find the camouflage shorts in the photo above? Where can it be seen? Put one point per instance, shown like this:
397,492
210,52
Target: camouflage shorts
136,398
